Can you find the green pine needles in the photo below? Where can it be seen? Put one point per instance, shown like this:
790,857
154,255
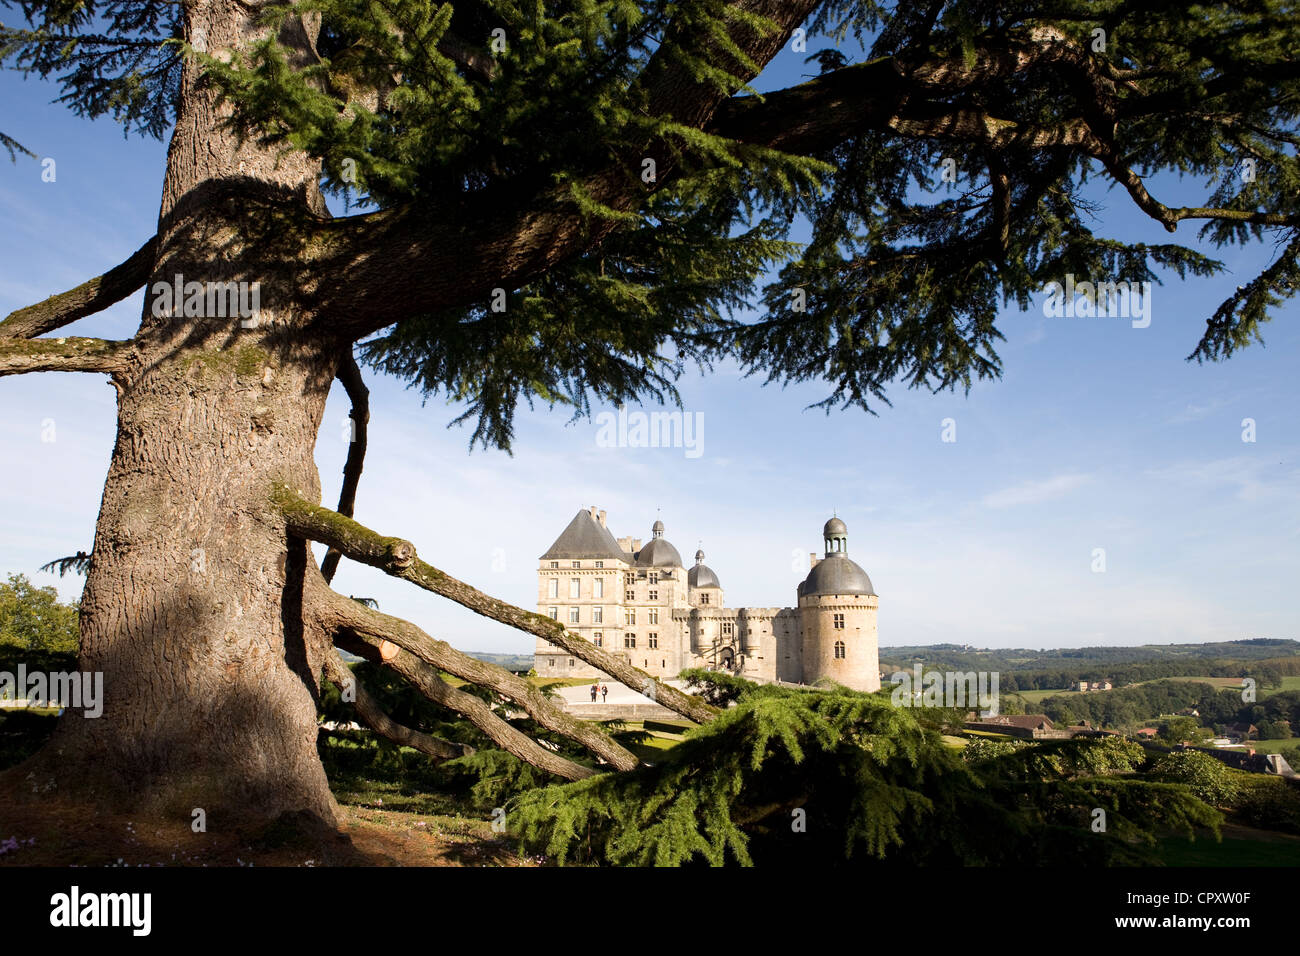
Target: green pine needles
836,776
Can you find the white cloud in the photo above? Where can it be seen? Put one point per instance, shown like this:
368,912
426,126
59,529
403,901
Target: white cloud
1034,492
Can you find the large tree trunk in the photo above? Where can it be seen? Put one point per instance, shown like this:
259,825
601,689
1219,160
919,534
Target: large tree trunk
191,605
191,608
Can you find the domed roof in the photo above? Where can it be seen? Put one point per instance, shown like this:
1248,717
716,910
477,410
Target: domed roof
836,574
702,576
658,553
834,526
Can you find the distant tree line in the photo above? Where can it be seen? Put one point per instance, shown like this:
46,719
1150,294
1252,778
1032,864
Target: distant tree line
1073,661
1128,707
1267,673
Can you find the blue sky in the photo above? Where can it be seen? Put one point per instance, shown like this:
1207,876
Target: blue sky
1099,435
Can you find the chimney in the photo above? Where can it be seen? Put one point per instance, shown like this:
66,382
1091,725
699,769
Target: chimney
812,560
593,512
602,519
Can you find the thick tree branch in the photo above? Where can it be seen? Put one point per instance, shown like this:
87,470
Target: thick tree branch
349,375
368,709
397,557
86,299
69,354
426,680
418,658
345,612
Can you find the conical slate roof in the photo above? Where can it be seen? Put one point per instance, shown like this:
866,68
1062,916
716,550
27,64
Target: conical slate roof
585,537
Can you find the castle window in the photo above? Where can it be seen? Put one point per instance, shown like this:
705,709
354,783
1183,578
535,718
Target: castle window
597,615
652,640
555,564
598,588
629,640
598,639
575,587
654,615
570,661
550,662
727,628
839,622
654,594
573,615
553,587
629,595
629,578
654,577
663,663
555,613
629,617
576,564
704,599
839,650
600,564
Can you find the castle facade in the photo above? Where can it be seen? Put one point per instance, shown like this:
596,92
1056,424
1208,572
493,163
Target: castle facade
641,602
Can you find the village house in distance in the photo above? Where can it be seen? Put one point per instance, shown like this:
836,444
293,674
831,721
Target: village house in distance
642,604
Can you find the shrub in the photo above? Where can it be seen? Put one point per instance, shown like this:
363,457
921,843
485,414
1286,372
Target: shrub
1209,779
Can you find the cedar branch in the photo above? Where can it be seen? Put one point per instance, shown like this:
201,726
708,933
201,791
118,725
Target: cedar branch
70,354
90,297
368,709
397,556
347,613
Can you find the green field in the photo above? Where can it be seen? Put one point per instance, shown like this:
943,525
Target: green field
1241,846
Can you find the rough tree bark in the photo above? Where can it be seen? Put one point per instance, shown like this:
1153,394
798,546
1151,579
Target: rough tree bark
191,608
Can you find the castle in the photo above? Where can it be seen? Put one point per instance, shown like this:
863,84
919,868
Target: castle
642,604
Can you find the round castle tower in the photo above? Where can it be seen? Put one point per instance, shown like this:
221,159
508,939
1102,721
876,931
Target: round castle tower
837,615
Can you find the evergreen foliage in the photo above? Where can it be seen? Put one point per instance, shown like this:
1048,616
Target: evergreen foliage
873,784
432,106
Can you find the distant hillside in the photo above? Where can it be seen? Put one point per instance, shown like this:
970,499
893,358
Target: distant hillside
511,662
1029,669
960,656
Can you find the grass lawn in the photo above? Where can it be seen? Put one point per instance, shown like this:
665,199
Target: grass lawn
1241,846
1038,696
1271,746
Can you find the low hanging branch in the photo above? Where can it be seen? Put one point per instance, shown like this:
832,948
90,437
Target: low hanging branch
349,375
366,641
397,557
336,613
368,709
426,680
70,354
90,297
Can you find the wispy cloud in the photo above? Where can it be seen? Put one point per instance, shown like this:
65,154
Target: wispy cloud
1034,492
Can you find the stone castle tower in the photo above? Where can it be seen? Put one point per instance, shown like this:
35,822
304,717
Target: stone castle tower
837,613
642,604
